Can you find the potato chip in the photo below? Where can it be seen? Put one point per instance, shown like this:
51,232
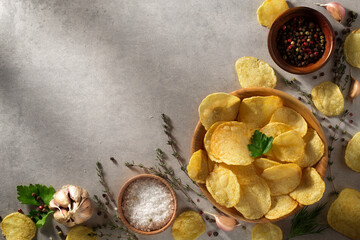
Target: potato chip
328,98
245,174
266,231
310,189
314,149
288,147
270,10
229,143
258,110
282,179
262,163
198,168
18,226
281,206
352,48
81,233
255,199
344,213
253,72
223,186
352,153
292,118
188,225
274,129
218,107
207,139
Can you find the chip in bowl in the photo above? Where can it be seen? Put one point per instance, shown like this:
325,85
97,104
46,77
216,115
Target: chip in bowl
314,149
199,166
352,153
328,98
262,163
274,129
281,206
218,107
207,140
288,147
292,118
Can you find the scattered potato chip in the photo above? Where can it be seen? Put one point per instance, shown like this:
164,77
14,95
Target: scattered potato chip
270,10
281,206
314,149
266,231
262,163
282,179
288,147
352,48
198,168
218,107
253,72
310,189
223,186
352,153
292,118
344,213
229,143
81,233
188,225
18,226
245,174
255,199
207,140
274,129
258,110
328,98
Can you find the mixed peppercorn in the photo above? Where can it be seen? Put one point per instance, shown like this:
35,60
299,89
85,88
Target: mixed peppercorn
301,41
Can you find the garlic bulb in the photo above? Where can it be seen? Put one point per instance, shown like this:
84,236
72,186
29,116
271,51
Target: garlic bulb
336,10
72,205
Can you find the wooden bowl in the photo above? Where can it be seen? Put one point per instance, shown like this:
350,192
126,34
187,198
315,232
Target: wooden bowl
323,23
120,199
289,101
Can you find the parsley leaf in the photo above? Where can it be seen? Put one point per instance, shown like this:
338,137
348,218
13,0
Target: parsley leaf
25,194
39,221
260,144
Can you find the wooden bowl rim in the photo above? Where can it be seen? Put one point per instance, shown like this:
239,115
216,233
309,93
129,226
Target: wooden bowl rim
320,166
312,67
120,198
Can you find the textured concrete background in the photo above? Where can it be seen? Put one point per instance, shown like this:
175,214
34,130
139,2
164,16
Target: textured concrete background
82,81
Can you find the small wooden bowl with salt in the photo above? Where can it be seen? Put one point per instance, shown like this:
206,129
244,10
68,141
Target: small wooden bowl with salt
147,204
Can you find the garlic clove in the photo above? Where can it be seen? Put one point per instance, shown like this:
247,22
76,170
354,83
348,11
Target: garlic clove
83,213
354,91
336,10
225,223
61,197
53,205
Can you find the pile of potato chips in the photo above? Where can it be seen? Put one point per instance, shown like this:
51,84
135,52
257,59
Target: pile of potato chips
271,185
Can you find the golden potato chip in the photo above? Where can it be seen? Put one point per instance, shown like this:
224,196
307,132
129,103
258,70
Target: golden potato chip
328,98
352,153
245,174
255,199
352,48
188,225
258,110
274,129
229,143
281,206
218,107
198,168
310,189
18,226
314,149
262,163
207,139
344,213
270,10
288,147
223,186
292,118
266,231
282,179
81,233
253,72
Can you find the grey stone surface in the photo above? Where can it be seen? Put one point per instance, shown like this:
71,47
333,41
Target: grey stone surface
82,81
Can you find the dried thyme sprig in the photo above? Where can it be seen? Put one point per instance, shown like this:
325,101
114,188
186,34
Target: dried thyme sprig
304,222
101,175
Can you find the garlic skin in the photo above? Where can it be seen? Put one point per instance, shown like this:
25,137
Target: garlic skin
72,205
336,10
224,223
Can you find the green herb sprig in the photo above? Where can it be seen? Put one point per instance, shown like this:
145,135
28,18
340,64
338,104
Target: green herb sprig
305,222
260,144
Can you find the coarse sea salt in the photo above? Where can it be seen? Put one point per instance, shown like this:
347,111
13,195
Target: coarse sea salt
147,204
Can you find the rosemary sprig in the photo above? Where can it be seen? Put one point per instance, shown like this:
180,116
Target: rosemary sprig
304,222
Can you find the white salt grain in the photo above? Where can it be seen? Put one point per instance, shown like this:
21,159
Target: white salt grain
147,204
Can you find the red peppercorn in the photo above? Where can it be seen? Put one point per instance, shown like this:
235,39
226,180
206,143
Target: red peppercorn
315,35
198,200
351,121
311,42
316,53
305,44
283,27
41,207
20,211
209,233
290,47
351,114
289,40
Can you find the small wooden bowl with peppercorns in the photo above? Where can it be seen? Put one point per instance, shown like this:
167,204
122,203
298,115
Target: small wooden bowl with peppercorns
301,40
